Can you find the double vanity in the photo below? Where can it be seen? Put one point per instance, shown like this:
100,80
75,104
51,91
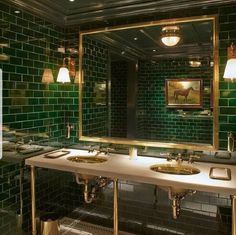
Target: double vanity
178,177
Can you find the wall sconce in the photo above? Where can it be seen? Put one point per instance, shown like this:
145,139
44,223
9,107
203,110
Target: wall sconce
79,79
230,69
170,35
195,63
47,76
64,74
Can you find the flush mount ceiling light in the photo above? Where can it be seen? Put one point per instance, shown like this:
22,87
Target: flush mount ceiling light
230,69
170,35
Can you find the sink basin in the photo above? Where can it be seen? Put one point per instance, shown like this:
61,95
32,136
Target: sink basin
87,159
175,169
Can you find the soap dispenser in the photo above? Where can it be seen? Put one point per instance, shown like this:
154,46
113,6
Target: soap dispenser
230,142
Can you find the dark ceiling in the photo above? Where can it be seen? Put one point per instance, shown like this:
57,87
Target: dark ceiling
78,12
145,42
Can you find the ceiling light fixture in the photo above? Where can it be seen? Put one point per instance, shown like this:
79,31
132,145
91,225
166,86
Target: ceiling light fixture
230,69
170,35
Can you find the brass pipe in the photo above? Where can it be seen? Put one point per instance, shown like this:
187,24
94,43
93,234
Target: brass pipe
115,206
234,215
87,199
33,208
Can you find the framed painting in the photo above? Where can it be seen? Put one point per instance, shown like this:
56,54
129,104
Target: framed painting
183,93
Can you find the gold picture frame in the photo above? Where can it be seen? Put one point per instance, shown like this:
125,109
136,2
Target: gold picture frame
184,93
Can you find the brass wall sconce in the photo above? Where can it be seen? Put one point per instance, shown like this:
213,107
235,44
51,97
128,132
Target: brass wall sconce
64,73
230,69
47,77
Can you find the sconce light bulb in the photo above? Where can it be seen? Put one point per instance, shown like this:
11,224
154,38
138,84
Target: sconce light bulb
63,75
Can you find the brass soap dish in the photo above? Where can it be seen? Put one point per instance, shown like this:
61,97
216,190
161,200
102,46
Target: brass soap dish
220,173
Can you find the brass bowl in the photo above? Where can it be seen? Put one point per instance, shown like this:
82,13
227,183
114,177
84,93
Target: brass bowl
87,159
175,169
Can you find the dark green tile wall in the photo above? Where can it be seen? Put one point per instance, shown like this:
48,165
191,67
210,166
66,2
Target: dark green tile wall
23,71
162,123
227,34
95,64
119,78
28,104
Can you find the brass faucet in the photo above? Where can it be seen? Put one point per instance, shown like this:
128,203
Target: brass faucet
179,159
68,130
192,157
230,147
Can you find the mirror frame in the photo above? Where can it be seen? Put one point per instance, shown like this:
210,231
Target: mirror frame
125,141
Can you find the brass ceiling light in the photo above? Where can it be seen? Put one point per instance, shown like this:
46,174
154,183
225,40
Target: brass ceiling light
170,35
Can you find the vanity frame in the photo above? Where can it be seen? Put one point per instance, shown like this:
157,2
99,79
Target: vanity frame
115,140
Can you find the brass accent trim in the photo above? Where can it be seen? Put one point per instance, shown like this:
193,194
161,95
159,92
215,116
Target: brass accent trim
115,206
33,202
216,82
180,145
151,23
227,177
87,159
81,78
147,143
233,214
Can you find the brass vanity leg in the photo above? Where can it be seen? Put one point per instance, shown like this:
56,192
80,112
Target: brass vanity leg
234,215
115,209
33,208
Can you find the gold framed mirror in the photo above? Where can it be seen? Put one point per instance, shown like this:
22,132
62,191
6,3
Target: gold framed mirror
122,90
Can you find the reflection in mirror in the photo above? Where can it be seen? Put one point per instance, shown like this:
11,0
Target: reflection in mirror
137,88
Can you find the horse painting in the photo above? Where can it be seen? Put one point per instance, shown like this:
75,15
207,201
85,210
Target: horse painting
182,92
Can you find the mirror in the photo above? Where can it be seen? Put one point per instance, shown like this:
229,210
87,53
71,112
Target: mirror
135,90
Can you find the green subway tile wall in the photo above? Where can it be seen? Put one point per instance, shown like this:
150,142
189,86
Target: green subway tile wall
119,76
28,104
95,64
162,123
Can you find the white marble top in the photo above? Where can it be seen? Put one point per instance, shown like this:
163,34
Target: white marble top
121,167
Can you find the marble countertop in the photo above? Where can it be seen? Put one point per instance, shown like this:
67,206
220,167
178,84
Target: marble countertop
121,167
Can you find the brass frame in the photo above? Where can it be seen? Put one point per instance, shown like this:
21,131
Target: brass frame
180,145
33,201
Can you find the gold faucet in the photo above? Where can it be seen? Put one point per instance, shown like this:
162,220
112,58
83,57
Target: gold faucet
230,142
179,159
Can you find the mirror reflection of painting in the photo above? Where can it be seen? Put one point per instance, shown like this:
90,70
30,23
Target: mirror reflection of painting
184,93
100,93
